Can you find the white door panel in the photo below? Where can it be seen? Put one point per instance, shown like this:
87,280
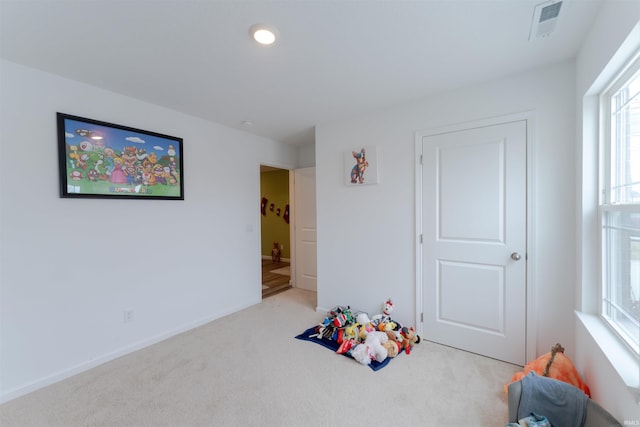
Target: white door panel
465,174
481,286
306,272
474,217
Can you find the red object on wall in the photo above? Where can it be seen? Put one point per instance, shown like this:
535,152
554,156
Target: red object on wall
263,206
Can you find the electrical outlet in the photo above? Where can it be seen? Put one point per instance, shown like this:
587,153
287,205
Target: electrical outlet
128,316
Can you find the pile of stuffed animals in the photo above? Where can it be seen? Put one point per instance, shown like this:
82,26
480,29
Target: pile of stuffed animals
366,339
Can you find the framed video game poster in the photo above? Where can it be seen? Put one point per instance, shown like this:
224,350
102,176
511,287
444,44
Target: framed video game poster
104,160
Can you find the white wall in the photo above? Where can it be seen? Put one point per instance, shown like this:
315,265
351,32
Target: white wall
69,268
614,37
307,156
366,234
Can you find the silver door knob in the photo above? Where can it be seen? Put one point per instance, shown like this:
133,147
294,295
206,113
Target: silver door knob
515,256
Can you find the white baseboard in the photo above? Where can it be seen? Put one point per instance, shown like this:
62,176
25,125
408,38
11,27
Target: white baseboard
93,363
281,259
322,310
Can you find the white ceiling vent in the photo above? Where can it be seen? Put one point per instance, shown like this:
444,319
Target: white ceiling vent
545,16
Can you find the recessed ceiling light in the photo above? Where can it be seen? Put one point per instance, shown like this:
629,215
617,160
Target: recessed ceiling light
263,34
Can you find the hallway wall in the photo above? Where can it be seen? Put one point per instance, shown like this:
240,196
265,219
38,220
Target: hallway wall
274,186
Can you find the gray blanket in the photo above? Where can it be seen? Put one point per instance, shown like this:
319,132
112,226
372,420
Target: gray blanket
563,404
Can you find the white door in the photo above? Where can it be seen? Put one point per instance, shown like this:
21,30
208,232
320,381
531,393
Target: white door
474,240
306,271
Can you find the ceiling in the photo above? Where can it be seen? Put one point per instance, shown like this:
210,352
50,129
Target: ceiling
334,59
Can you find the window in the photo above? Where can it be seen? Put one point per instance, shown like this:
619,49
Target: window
620,205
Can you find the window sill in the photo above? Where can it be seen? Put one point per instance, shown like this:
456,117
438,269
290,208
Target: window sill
621,358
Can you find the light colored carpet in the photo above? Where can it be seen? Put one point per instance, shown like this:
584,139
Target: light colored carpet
246,369
284,271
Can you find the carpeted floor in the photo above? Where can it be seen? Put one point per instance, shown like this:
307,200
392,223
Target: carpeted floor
247,369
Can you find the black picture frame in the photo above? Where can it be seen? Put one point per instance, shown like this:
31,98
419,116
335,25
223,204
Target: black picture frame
105,160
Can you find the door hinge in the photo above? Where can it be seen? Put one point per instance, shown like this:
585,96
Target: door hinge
421,239
421,317
420,158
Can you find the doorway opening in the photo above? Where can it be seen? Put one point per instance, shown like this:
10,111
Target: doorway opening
275,231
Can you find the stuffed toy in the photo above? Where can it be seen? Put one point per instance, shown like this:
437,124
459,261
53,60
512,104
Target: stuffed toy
362,318
331,328
351,331
553,365
346,346
388,326
394,336
361,353
393,347
387,308
338,309
340,316
330,332
365,329
376,340
320,328
371,348
409,338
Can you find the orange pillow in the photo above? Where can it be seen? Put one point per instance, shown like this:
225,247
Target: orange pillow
553,365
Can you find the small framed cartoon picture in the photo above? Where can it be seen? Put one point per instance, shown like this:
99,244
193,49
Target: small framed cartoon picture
104,160
361,166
